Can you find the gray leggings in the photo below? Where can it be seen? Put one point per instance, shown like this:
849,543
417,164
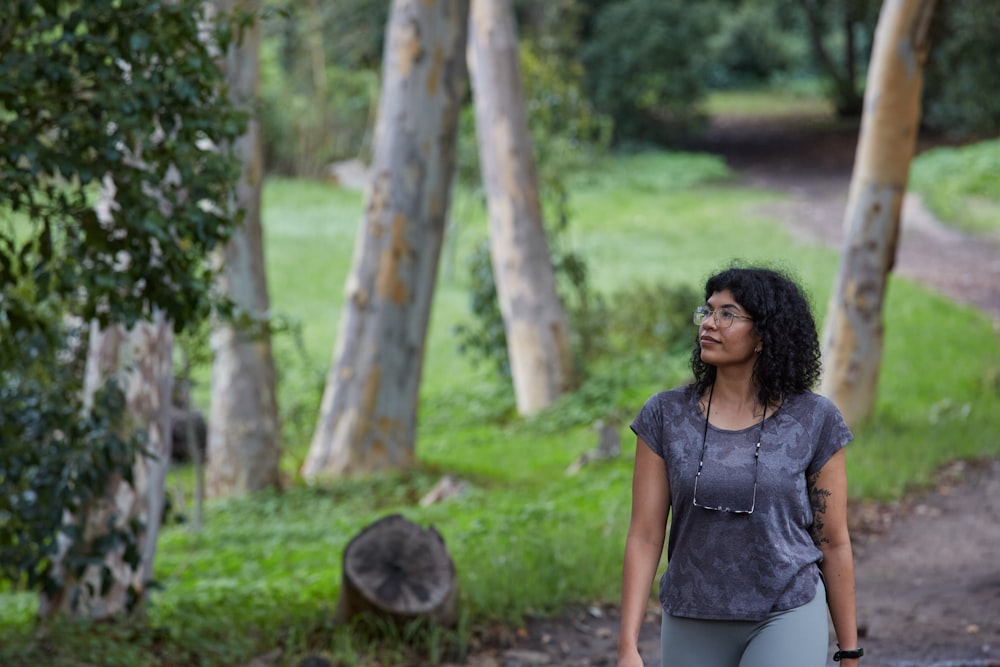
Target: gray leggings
794,638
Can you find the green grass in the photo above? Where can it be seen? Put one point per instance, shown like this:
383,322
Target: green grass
786,100
525,537
960,184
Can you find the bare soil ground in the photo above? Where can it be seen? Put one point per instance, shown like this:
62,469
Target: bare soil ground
928,567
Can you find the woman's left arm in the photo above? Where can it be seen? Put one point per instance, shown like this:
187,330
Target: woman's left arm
828,497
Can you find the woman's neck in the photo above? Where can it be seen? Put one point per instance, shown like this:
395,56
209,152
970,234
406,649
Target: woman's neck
733,406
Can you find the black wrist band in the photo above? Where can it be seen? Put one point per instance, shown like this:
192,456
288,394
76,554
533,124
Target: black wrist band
848,655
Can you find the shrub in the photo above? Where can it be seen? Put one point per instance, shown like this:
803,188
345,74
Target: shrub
303,133
962,81
752,47
647,67
57,456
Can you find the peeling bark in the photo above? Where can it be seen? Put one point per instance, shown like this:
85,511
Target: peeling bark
141,359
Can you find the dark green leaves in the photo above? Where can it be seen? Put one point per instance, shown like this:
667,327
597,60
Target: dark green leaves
93,93
117,183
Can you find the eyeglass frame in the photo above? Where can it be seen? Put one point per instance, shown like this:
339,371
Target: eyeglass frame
702,313
701,464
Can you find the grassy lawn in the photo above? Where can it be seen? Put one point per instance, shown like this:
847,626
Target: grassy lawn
780,101
525,537
960,185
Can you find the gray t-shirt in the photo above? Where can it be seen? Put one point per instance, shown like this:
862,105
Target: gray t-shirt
728,566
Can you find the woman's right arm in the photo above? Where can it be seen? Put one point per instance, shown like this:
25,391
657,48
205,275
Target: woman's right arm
643,547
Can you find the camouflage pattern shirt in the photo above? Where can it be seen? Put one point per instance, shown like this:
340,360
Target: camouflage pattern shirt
735,566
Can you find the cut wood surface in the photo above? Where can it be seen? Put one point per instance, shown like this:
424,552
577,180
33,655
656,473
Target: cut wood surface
400,571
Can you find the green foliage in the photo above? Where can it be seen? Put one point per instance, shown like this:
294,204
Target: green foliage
960,185
566,130
755,44
320,82
58,456
92,96
300,381
307,127
653,317
603,327
351,33
484,337
117,185
646,65
961,95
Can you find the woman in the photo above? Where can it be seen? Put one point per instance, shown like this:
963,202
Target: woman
751,462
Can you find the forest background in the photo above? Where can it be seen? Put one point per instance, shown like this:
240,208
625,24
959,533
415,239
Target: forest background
269,564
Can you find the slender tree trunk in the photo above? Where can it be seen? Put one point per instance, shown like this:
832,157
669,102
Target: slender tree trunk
534,319
368,415
140,359
853,335
244,433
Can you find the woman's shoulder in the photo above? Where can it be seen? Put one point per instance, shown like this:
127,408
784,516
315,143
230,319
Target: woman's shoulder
810,400
810,407
674,396
670,402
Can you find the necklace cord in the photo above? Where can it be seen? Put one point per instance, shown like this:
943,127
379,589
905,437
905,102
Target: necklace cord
704,444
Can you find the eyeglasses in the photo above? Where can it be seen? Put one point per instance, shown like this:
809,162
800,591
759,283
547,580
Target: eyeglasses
701,464
723,318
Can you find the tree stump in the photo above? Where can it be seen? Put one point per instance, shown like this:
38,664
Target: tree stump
398,571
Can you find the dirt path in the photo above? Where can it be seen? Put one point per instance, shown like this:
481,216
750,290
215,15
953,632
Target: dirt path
928,568
813,166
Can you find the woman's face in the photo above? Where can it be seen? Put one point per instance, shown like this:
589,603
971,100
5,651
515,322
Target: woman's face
727,337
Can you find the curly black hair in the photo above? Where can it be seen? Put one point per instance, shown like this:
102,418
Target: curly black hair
789,362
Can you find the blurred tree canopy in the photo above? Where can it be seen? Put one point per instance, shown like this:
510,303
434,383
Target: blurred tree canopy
962,75
645,65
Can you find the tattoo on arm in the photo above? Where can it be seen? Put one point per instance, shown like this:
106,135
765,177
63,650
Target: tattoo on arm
817,498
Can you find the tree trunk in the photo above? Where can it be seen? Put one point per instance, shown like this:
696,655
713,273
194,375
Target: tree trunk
368,414
853,335
396,570
140,358
244,434
534,319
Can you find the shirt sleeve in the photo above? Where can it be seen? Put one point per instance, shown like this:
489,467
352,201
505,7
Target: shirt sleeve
648,424
833,436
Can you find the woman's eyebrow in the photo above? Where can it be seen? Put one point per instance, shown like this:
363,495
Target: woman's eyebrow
730,306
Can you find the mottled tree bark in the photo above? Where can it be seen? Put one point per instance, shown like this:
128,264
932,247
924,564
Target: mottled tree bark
368,415
140,359
535,321
244,434
854,331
